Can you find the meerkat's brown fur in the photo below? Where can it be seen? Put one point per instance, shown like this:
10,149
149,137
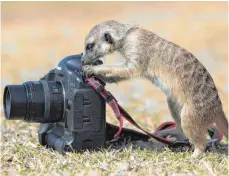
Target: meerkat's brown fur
192,96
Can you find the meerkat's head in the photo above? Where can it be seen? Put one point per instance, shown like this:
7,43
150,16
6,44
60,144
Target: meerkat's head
103,39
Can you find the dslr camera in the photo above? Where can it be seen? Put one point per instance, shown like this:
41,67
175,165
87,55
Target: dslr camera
72,114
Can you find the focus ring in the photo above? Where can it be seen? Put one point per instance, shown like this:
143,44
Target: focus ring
29,103
47,100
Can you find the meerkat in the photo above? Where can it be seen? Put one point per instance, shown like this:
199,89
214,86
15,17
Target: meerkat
192,96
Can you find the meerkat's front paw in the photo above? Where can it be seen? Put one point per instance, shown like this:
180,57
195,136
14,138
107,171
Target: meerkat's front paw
90,70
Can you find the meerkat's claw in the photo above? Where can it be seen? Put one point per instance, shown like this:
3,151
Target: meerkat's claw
88,70
197,153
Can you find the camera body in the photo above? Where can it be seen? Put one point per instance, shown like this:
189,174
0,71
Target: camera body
72,114
83,122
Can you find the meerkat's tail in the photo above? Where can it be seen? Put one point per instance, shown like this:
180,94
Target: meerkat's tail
222,124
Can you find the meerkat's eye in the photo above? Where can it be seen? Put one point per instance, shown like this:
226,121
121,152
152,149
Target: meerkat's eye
90,46
108,38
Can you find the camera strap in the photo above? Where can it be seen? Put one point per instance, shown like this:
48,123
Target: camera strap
118,110
121,113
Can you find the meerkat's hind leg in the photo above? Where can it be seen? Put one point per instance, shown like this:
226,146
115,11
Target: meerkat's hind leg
221,122
175,109
194,129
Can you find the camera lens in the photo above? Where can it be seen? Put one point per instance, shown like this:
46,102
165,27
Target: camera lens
38,101
15,102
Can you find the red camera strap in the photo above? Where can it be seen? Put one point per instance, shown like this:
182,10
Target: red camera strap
118,110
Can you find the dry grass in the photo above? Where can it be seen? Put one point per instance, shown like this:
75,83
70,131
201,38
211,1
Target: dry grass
21,154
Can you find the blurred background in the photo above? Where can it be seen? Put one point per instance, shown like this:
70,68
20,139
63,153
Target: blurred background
37,35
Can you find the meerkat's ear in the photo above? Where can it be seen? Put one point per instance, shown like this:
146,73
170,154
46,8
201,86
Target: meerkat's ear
130,26
108,38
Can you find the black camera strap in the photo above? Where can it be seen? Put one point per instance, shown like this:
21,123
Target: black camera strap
121,113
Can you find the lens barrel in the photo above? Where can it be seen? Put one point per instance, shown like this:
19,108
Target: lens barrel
38,101
15,101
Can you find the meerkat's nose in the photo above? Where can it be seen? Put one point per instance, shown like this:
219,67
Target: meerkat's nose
82,58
